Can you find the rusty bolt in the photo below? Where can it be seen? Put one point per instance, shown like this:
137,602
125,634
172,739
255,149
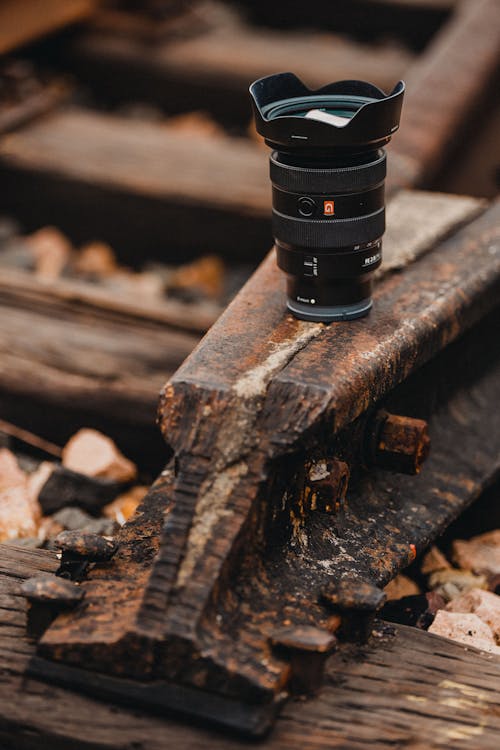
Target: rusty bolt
84,545
328,481
48,596
398,443
307,649
357,602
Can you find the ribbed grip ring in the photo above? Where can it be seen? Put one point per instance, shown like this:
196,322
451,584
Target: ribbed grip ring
326,234
334,180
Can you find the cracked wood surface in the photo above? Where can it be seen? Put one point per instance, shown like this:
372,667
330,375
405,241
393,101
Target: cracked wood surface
412,691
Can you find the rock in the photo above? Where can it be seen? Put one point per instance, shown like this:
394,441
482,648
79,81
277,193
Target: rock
48,529
96,259
28,542
204,276
146,284
19,512
125,505
74,519
464,628
480,554
17,254
434,560
484,604
494,584
63,488
91,453
9,228
418,610
71,518
10,473
39,478
451,583
52,252
195,123
401,586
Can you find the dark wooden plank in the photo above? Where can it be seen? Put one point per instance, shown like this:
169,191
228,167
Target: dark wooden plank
66,363
134,182
446,86
213,69
21,23
414,691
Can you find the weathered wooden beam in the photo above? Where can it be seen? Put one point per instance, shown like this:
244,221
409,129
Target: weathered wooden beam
134,182
87,363
21,23
446,86
363,700
213,69
251,417
131,183
413,22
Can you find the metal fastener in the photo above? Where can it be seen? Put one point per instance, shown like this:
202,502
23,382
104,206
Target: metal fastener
398,443
307,649
48,595
81,544
328,482
357,602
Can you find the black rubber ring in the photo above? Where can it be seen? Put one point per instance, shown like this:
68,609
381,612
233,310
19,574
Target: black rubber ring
335,180
329,234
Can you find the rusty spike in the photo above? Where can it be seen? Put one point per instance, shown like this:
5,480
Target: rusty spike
329,479
307,649
398,443
48,596
80,544
357,602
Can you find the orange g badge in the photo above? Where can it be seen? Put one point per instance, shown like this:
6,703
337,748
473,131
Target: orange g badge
329,208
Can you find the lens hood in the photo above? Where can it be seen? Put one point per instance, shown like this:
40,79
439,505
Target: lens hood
346,116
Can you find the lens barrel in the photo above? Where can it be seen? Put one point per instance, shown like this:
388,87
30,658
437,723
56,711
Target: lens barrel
328,168
328,220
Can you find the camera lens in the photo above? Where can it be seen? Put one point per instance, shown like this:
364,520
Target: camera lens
327,171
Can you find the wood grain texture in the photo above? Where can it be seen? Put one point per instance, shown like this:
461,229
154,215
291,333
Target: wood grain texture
261,396
134,182
214,68
22,22
445,87
412,691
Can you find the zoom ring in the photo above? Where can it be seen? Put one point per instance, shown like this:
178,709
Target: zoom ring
333,180
337,233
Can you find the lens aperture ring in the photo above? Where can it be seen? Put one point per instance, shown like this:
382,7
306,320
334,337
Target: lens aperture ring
331,180
317,233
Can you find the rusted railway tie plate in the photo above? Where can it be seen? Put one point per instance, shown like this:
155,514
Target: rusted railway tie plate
276,523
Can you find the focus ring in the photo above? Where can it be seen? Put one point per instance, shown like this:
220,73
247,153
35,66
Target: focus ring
322,234
333,180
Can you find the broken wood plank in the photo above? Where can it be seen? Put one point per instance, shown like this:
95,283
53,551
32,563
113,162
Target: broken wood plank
21,23
453,691
446,86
